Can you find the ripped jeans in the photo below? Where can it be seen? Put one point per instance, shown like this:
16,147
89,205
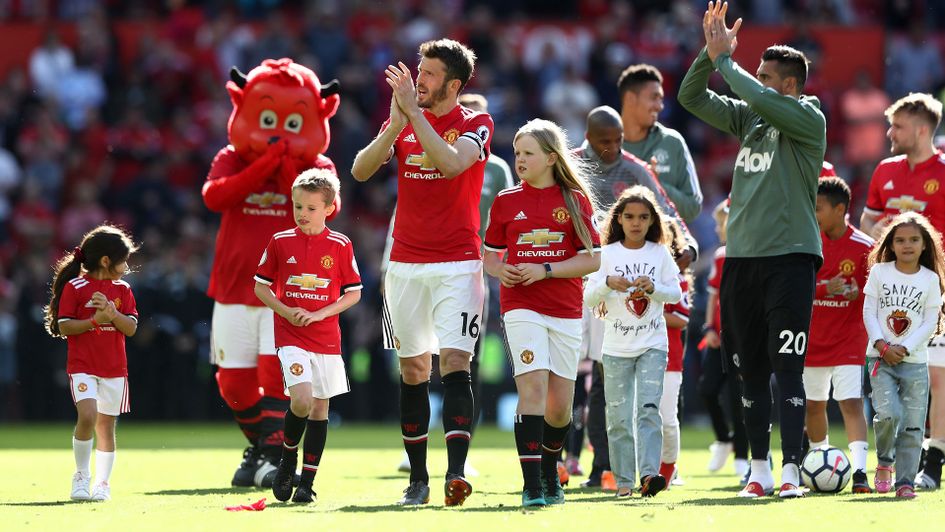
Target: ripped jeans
900,397
633,388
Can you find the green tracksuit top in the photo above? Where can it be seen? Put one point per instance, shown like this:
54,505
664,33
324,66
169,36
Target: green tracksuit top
674,167
783,140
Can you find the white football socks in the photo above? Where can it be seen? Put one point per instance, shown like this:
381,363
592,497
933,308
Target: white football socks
104,460
790,474
858,455
82,450
761,473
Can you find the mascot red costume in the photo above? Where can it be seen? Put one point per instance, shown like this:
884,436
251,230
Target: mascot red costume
279,128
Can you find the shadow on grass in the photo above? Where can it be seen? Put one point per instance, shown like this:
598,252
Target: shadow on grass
206,491
728,501
427,508
44,503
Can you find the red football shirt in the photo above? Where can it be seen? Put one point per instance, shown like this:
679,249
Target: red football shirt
715,284
311,272
437,219
99,353
837,334
680,309
245,227
533,225
896,188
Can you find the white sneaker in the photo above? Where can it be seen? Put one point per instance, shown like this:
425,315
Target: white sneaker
741,467
720,451
80,486
404,466
101,492
676,480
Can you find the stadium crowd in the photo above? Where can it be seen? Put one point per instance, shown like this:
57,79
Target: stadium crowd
87,135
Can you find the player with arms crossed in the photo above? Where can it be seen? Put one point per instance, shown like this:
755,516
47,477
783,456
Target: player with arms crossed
912,180
835,353
433,286
773,249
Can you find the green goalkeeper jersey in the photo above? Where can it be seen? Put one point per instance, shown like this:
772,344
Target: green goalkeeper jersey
783,140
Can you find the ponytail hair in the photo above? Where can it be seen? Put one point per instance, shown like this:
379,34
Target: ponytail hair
569,172
103,241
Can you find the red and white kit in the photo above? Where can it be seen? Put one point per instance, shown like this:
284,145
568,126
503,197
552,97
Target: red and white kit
433,285
310,272
542,320
836,346
96,362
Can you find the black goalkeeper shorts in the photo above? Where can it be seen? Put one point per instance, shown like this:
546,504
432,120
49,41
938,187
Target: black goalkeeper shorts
766,307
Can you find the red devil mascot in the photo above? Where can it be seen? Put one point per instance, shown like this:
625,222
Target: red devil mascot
279,128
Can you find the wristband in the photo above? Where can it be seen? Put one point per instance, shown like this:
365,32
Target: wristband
95,326
547,271
882,352
706,327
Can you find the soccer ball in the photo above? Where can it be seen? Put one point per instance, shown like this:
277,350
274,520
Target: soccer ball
826,470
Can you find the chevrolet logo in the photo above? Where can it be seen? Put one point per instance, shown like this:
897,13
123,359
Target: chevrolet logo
266,199
422,160
906,203
307,281
541,238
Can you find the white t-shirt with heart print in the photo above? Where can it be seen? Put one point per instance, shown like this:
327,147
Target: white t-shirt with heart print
901,308
634,319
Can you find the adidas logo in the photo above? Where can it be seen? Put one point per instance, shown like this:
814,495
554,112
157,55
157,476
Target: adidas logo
410,138
888,186
291,260
520,216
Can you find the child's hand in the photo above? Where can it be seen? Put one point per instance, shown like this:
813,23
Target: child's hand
712,339
531,273
600,311
894,354
98,301
312,317
295,316
509,275
643,283
852,291
618,283
836,285
110,312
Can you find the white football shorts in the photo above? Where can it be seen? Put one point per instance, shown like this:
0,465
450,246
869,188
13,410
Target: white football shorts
239,334
847,382
538,342
110,393
326,373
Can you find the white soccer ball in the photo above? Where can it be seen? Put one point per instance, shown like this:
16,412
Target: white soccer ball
826,470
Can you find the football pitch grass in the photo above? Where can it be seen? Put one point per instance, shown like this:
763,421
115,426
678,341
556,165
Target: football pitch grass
176,477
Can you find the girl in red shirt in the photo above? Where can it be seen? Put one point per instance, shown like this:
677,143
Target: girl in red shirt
94,310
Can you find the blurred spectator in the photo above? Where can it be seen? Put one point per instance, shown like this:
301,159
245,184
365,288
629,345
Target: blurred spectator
49,64
913,64
82,214
863,107
80,90
324,33
10,177
567,101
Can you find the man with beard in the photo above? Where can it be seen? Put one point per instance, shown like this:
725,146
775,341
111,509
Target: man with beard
773,250
912,181
433,285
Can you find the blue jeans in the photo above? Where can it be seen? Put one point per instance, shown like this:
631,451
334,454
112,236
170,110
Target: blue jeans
900,398
633,388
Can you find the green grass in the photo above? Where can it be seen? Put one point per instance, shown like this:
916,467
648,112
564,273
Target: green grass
176,477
